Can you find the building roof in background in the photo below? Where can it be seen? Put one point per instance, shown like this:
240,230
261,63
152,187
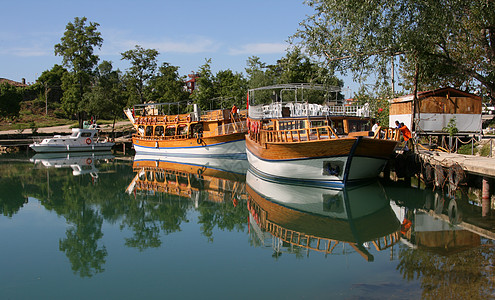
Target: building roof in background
12,82
452,92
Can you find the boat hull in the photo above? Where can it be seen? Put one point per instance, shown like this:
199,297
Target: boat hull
332,163
218,146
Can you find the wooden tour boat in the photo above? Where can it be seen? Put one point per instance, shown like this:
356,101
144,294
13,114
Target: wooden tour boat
211,133
318,144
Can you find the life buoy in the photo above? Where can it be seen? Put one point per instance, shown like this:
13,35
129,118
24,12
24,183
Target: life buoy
89,161
88,141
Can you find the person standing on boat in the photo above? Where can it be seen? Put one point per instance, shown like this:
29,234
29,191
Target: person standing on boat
406,133
234,111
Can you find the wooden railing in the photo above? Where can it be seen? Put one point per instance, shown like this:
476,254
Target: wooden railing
299,239
316,134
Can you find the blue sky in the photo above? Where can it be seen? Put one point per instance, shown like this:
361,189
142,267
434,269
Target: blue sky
185,33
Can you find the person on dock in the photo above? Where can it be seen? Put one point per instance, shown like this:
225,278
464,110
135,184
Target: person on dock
406,133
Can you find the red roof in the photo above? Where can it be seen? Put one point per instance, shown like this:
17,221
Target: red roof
11,82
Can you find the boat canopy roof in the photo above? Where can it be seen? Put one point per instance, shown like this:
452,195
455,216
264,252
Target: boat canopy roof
297,86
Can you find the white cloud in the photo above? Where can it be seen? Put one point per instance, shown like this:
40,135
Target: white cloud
259,48
117,42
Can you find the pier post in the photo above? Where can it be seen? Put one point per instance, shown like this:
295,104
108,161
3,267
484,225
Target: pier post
485,198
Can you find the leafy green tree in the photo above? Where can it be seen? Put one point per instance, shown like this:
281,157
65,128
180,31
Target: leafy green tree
167,86
143,68
231,88
443,41
51,84
10,100
77,51
205,90
257,75
106,99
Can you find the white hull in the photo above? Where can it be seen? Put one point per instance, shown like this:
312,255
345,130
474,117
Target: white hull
221,149
68,148
312,170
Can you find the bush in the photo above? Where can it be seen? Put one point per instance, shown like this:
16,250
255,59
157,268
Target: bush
485,150
466,149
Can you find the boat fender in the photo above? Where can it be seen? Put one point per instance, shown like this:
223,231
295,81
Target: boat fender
88,141
89,161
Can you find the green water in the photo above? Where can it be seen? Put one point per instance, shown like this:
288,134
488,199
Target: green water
84,230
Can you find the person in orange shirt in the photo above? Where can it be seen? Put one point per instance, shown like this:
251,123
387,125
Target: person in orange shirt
406,133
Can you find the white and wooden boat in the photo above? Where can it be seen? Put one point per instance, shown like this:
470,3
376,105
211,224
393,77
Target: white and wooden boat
302,142
80,140
211,133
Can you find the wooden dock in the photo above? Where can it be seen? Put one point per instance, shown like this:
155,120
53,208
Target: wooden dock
477,165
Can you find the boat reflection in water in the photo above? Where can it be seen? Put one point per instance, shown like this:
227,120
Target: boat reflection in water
198,178
318,219
80,162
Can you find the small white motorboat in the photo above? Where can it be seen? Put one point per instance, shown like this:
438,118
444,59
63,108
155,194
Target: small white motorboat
79,140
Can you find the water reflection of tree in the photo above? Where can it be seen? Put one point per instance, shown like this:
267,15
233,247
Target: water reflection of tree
81,242
145,217
223,215
465,275
11,196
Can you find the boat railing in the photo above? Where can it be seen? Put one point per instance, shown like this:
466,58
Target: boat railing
300,109
316,134
230,128
299,135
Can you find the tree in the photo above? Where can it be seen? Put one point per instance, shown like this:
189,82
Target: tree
77,51
106,99
205,90
51,83
167,86
143,67
231,88
10,100
443,41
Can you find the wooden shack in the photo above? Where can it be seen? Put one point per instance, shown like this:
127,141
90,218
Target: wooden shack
436,108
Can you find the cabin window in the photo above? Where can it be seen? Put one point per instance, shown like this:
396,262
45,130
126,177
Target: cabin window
74,134
338,126
149,130
86,134
159,131
318,123
182,130
170,131
358,125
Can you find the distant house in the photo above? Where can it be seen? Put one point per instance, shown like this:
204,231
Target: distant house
436,108
14,83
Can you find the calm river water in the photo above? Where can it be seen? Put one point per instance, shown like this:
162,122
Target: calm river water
100,227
